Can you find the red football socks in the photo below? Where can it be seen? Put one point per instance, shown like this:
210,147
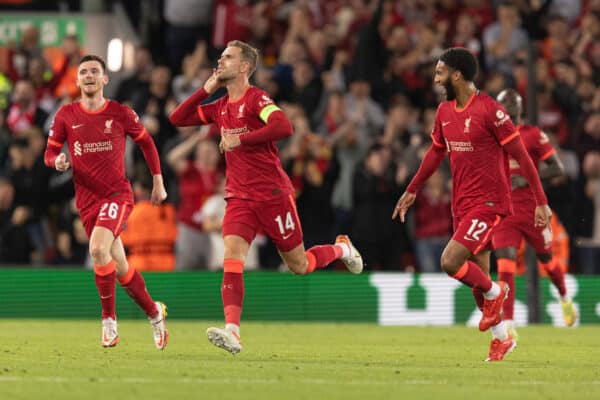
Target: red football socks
232,290
506,272
556,274
471,275
321,256
135,286
105,277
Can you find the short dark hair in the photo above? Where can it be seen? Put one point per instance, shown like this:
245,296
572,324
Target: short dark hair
249,53
462,60
92,57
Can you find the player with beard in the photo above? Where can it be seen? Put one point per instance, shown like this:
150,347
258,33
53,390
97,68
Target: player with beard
259,194
513,229
95,129
477,134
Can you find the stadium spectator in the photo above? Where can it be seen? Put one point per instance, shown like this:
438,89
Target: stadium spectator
588,245
149,237
139,81
197,178
24,112
66,87
503,38
20,56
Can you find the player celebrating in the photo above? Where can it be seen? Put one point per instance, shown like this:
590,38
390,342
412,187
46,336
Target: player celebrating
95,130
476,132
259,194
507,237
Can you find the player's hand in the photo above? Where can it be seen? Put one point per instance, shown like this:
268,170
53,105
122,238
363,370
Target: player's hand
213,83
403,204
229,142
542,215
159,193
60,163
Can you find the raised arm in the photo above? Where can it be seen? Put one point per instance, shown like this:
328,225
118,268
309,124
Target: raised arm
188,113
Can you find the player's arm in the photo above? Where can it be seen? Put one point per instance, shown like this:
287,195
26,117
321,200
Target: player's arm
277,127
432,160
551,167
142,138
53,158
190,112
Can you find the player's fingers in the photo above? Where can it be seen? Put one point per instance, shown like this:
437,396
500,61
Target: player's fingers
402,214
395,213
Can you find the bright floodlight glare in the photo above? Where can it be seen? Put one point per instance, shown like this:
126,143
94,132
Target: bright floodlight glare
115,54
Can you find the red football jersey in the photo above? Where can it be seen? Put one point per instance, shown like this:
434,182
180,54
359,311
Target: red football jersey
474,136
96,141
253,172
539,149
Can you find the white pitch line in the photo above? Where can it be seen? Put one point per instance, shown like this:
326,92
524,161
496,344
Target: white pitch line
409,382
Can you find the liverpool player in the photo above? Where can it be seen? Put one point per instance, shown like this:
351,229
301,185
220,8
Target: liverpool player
476,132
507,237
95,129
259,194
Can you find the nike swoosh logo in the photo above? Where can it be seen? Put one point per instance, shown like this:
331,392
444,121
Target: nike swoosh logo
469,239
287,236
77,126
106,297
445,123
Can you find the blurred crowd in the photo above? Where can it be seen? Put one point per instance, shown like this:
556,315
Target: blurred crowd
354,78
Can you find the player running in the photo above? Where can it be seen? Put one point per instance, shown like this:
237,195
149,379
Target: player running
507,237
95,130
259,194
476,132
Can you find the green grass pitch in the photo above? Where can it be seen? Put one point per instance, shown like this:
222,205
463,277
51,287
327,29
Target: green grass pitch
57,359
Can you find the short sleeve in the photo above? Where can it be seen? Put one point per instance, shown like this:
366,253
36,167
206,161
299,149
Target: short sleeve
132,124
437,136
57,135
500,123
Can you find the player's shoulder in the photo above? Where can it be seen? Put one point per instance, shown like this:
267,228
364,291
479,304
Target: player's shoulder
527,129
259,96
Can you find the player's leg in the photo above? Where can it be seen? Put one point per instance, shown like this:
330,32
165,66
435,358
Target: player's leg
101,239
134,285
557,276
472,235
507,267
502,342
281,222
541,241
232,293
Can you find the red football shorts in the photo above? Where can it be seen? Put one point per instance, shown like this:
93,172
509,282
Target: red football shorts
474,229
520,226
111,215
277,218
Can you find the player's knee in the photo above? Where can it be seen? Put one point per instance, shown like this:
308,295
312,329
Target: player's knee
449,264
98,254
299,267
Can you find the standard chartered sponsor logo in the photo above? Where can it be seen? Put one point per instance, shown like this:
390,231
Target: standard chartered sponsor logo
93,147
460,146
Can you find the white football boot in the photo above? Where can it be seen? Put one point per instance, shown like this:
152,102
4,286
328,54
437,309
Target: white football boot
110,337
159,329
354,261
225,339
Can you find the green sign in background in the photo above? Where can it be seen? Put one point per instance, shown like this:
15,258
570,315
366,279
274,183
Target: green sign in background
269,296
52,29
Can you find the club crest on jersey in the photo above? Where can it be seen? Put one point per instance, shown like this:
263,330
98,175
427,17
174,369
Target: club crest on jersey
108,126
467,125
241,111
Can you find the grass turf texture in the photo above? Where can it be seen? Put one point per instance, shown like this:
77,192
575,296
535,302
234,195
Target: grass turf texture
55,359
